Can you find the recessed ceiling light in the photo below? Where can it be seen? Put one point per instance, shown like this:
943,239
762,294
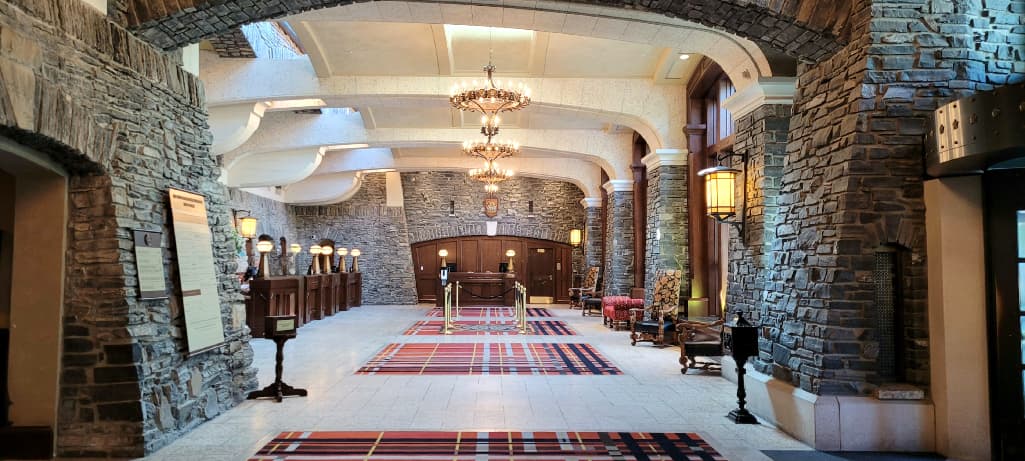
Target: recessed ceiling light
684,56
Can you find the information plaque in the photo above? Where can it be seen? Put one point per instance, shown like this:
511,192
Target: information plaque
149,265
204,328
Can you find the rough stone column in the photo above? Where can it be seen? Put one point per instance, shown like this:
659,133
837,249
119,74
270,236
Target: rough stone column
593,233
619,243
667,233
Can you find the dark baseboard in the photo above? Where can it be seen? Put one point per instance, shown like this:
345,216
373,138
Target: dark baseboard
26,442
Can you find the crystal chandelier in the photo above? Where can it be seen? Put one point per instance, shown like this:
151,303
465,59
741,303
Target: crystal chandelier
490,174
490,151
487,97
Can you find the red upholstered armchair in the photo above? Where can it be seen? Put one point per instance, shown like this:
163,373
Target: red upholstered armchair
616,310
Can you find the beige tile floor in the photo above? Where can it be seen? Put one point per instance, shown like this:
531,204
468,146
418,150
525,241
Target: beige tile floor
651,395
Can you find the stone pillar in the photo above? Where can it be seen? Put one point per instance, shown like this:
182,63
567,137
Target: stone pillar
667,235
761,116
619,238
593,233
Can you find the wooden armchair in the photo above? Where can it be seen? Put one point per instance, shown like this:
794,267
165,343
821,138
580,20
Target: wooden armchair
589,288
659,319
696,339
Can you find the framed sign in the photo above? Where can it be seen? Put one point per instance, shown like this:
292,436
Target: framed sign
204,328
149,264
491,207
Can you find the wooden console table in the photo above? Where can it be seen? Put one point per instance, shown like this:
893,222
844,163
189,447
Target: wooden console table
480,288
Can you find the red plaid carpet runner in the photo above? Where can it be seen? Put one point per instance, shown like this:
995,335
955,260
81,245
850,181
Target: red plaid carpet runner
489,359
486,328
487,446
490,312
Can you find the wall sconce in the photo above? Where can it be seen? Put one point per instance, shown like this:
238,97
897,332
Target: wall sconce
720,184
264,246
355,259
315,252
444,254
576,237
342,252
246,225
510,254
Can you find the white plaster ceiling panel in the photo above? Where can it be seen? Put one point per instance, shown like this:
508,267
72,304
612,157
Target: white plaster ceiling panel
429,13
573,56
518,19
579,24
610,28
549,21
323,189
640,32
376,48
412,117
472,47
486,15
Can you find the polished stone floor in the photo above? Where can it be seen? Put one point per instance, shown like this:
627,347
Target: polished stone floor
651,395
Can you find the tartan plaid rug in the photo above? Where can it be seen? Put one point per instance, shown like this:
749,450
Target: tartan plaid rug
487,446
488,328
489,359
490,312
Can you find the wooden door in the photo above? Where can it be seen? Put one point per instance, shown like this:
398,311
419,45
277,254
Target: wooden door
426,265
541,270
491,254
1005,261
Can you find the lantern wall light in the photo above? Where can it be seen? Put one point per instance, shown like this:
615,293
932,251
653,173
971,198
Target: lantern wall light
575,237
720,187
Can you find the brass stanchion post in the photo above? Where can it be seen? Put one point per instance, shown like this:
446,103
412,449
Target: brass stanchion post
448,310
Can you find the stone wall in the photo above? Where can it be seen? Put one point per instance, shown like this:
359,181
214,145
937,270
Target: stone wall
666,234
761,135
852,183
619,244
379,231
126,123
273,218
427,196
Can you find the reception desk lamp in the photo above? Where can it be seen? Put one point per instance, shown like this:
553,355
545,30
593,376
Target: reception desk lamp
355,259
315,252
264,246
341,259
328,253
510,254
444,254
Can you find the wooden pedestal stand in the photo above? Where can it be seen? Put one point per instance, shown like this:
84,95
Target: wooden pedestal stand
278,389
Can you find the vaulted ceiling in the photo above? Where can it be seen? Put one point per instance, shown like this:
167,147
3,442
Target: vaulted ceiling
378,85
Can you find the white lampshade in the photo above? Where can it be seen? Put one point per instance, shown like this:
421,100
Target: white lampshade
315,249
343,251
355,252
443,253
720,182
264,246
295,248
510,253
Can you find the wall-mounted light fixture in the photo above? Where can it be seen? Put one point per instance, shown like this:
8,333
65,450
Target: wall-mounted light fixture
720,184
444,254
264,246
576,237
245,225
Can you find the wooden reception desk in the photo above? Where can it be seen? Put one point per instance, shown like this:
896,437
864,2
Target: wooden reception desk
480,288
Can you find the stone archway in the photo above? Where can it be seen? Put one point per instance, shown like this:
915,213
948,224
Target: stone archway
806,29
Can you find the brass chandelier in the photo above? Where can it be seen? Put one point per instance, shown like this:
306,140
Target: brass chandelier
490,175
487,97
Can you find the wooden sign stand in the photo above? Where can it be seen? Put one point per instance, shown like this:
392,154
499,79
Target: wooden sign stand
280,328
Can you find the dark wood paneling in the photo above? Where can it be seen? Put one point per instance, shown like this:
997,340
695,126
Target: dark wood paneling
484,254
492,252
469,257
